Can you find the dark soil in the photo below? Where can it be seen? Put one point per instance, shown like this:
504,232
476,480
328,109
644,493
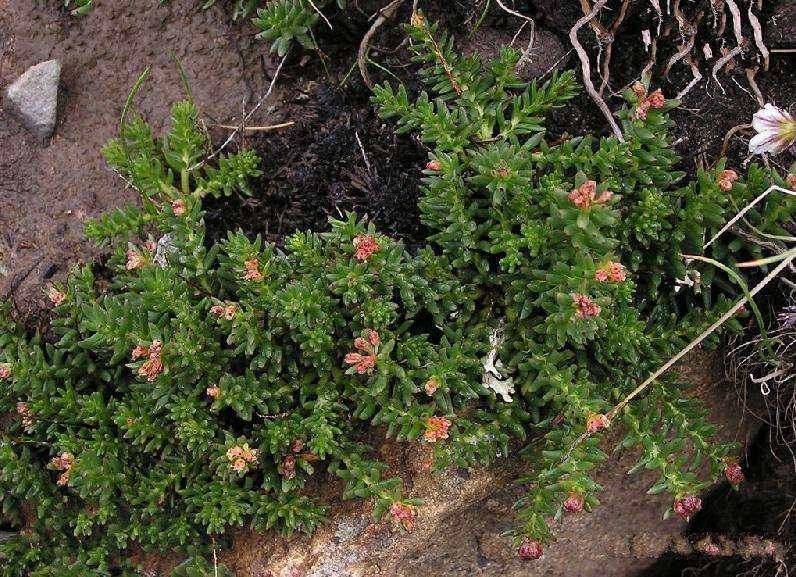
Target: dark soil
339,156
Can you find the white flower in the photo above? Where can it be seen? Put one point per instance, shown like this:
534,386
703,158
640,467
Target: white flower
776,130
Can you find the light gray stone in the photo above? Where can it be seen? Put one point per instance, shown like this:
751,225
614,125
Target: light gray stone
33,97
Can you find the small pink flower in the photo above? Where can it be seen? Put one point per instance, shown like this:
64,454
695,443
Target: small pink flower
585,195
791,181
361,344
362,363
151,369
403,514
611,271
585,307
239,465
687,505
530,550
56,297
640,113
252,270
5,371
135,259
26,416
138,352
151,246
596,423
178,207
365,245
734,474
656,99
213,392
373,337
433,165
287,468
711,549
436,429
431,386
230,311
297,446
726,178
639,90
234,453
217,310
574,503
367,347
62,462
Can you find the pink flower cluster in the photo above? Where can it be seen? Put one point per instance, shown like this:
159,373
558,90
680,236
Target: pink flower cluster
227,312
585,195
433,165
726,179
153,366
687,505
596,423
241,456
403,514
252,270
734,473
431,386
436,429
585,307
530,549
63,463
365,245
574,503
26,416
213,392
178,207
364,358
56,297
5,371
135,259
611,271
654,100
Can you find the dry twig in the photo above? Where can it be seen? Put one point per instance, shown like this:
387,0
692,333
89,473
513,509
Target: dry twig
586,68
362,54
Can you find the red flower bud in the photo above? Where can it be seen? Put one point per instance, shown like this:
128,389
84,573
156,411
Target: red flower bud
734,474
687,505
574,503
530,549
433,165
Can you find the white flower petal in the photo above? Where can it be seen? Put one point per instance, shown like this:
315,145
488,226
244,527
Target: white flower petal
769,117
765,142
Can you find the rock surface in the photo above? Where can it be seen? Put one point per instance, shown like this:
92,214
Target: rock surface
33,97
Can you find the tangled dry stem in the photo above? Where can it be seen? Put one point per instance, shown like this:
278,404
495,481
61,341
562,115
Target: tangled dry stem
586,68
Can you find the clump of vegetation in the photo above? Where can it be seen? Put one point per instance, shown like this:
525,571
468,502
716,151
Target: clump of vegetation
184,388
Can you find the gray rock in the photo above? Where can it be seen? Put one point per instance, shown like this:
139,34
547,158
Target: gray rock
33,97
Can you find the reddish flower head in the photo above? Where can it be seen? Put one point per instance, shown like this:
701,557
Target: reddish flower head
5,371
403,514
134,259
791,181
734,474
574,503
431,386
585,195
56,297
530,549
362,363
687,505
178,207
433,165
213,392
287,468
585,307
726,179
656,99
611,271
153,366
436,429
365,245
252,270
596,423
